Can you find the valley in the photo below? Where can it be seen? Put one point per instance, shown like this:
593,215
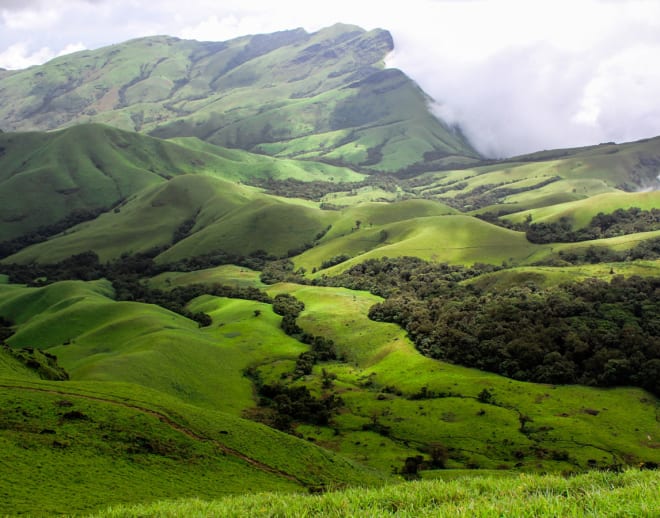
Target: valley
263,266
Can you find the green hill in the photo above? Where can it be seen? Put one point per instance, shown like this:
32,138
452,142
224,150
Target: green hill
324,95
546,179
142,412
95,167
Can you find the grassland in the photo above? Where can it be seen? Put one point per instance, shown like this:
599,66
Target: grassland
595,494
96,167
579,213
67,443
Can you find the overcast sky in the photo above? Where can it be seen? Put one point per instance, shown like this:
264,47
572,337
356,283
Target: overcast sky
516,75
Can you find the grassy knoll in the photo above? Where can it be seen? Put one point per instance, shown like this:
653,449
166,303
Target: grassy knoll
594,494
87,167
580,212
454,239
224,215
96,338
94,167
227,216
67,443
229,274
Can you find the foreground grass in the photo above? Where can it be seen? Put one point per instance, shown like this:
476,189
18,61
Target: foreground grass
633,493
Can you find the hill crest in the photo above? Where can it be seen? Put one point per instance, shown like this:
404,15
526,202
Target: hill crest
324,95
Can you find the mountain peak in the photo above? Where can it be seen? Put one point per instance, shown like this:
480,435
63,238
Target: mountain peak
281,94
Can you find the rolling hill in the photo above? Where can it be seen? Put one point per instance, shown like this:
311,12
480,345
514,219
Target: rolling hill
297,165
45,177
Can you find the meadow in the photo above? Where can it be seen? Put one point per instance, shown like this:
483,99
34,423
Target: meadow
595,494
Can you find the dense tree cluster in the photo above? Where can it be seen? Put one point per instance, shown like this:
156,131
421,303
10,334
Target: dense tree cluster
386,277
11,246
592,333
296,403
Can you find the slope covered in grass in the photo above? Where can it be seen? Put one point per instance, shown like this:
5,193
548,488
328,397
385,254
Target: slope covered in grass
69,442
293,94
153,409
595,494
546,179
223,216
96,338
580,212
399,402
44,177
456,239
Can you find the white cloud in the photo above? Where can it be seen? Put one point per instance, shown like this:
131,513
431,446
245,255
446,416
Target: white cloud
30,20
18,56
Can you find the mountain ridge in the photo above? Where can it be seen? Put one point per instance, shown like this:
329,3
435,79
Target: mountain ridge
324,95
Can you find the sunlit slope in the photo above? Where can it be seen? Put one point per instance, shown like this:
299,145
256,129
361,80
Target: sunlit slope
77,439
224,216
580,213
383,372
96,338
548,178
454,239
544,276
324,95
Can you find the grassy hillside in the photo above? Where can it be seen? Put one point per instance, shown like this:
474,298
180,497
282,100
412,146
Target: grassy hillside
384,379
380,380
159,407
594,494
547,179
544,276
96,338
68,442
580,212
224,216
291,94
456,239
96,167
154,399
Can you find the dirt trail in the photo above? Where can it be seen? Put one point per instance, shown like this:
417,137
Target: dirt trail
172,424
